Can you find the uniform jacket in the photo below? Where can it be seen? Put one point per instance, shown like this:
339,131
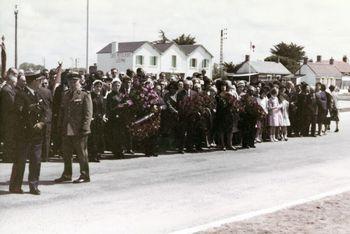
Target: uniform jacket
7,109
76,109
30,110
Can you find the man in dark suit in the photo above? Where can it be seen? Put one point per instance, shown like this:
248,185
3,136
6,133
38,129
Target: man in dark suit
8,114
117,102
30,122
46,95
184,127
74,119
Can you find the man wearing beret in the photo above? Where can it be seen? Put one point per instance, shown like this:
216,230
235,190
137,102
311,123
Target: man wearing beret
31,119
74,120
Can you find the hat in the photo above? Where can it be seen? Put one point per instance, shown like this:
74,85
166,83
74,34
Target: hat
31,76
125,78
240,83
116,80
74,76
107,79
97,82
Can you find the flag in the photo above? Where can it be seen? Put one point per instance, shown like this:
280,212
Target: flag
252,47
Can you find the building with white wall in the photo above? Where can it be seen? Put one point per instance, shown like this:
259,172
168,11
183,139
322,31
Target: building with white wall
325,72
169,58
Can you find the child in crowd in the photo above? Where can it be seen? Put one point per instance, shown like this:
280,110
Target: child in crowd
275,114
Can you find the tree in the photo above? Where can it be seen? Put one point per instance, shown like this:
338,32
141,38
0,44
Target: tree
229,67
185,40
31,66
288,54
163,38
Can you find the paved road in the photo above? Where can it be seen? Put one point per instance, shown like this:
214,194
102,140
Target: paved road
175,192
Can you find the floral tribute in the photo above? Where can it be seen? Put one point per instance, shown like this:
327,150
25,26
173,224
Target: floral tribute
145,100
251,107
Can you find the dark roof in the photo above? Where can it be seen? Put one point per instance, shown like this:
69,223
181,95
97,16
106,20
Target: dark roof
188,49
163,46
129,46
106,50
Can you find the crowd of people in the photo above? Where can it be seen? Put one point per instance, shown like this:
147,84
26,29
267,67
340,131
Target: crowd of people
59,113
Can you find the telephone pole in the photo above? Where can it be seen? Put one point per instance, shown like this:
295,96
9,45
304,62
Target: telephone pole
223,36
16,17
87,36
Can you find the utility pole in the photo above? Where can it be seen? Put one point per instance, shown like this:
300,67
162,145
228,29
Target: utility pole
223,36
87,36
16,16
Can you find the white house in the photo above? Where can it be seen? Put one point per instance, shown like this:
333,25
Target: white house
320,71
169,58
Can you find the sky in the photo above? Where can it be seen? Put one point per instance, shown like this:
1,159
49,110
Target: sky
49,31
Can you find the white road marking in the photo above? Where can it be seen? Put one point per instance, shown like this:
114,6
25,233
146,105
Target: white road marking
256,213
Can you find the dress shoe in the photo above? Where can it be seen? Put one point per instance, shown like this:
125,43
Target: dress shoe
130,152
81,180
231,148
17,191
63,179
35,191
94,160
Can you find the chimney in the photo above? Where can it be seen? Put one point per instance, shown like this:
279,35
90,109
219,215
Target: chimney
247,58
114,47
331,61
305,60
319,58
345,59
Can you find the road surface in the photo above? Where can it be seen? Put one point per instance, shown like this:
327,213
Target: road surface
176,192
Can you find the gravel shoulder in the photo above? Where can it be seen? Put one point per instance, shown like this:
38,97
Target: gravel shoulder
328,215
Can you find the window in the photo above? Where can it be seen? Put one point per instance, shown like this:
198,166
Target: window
173,60
153,60
139,60
205,63
193,62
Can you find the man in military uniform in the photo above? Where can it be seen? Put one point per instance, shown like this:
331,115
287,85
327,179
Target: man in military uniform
74,120
31,119
8,114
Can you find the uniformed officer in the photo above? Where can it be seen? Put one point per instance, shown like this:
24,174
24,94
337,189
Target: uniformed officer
31,119
74,120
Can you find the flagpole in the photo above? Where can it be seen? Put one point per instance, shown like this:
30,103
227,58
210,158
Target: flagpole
87,36
250,52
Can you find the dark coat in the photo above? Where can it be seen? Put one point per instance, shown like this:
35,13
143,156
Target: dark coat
76,109
99,106
46,95
7,108
30,110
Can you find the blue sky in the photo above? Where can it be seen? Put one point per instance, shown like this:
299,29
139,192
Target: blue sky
55,30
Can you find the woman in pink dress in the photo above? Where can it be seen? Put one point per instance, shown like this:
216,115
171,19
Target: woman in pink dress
275,114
